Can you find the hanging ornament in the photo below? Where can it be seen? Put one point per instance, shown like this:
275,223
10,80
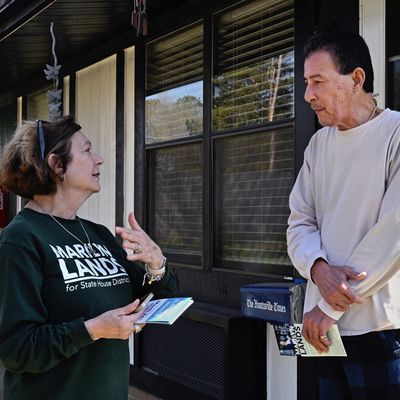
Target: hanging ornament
139,17
54,95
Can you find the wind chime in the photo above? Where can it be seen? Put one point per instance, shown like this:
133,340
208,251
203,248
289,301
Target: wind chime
139,17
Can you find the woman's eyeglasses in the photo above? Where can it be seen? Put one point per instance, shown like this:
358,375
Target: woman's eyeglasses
40,134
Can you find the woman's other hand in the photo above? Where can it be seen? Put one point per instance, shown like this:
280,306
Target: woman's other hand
139,245
114,324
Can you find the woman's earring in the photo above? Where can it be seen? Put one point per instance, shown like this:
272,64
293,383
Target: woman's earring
62,177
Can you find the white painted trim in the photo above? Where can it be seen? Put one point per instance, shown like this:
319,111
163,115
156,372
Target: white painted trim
18,205
373,30
19,111
129,132
129,151
131,343
66,90
281,371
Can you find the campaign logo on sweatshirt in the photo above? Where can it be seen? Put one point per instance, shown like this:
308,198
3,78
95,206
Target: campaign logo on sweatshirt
80,270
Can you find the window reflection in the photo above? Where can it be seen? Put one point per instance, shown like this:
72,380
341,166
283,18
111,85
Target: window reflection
174,86
254,73
175,113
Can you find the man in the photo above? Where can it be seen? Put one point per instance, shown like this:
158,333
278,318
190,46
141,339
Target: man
344,226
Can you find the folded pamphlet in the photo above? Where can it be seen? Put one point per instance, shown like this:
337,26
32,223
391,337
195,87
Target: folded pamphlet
292,343
165,311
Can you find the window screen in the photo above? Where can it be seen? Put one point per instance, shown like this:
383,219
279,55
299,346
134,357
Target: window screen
174,87
254,177
254,65
177,200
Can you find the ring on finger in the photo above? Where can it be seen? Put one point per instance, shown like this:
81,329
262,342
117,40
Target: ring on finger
138,249
322,337
137,328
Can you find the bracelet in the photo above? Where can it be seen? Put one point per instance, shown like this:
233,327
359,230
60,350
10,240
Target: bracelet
154,275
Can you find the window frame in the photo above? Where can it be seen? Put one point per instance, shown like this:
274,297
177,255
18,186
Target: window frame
193,278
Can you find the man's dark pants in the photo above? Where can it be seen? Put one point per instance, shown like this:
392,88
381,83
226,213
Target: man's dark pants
371,371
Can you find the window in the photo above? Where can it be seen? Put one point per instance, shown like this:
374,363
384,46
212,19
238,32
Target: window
393,55
253,86
174,110
394,79
174,87
220,169
8,124
254,177
178,201
254,69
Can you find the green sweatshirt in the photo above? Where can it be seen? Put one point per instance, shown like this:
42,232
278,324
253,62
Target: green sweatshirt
49,286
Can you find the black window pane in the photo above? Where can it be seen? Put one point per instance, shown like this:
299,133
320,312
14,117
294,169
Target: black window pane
177,182
253,181
8,124
254,67
394,86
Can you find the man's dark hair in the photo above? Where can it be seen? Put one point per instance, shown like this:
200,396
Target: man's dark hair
348,51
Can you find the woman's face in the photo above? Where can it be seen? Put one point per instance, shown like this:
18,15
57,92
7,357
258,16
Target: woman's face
83,171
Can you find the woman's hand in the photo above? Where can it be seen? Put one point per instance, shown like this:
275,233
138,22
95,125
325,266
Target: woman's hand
114,324
139,245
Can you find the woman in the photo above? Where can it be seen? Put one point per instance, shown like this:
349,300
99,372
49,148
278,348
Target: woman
67,288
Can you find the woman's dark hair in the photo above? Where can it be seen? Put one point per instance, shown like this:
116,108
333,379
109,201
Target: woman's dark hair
23,170
348,51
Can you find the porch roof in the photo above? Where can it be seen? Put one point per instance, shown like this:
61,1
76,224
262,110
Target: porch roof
79,27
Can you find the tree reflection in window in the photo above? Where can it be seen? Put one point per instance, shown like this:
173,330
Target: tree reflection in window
254,73
174,86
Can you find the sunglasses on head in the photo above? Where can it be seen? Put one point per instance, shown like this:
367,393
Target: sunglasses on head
40,134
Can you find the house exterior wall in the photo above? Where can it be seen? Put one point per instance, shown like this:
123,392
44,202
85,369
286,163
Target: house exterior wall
373,30
95,112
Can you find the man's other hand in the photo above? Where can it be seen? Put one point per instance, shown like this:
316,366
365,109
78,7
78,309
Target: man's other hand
332,282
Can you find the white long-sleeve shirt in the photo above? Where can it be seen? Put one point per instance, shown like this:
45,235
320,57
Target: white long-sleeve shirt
345,208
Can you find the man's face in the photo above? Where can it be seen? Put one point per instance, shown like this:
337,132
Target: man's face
329,93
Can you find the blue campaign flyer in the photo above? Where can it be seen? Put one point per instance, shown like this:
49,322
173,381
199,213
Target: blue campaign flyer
165,311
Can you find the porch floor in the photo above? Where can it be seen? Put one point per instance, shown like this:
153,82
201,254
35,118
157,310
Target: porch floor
134,393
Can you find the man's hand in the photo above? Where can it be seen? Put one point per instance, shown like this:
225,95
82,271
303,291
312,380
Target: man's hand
315,326
332,282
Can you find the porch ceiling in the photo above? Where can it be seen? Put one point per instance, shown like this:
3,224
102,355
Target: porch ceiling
79,26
